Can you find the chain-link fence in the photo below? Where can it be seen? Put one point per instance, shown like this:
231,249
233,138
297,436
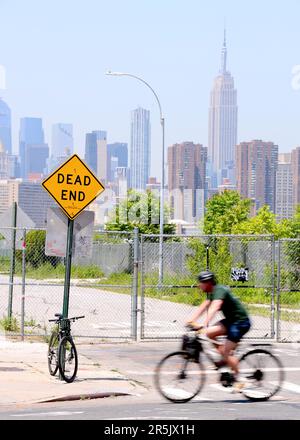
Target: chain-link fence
288,290
32,285
123,293
169,299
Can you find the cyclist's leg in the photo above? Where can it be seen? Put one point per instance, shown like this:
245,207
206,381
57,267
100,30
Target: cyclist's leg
219,329
236,331
213,332
231,360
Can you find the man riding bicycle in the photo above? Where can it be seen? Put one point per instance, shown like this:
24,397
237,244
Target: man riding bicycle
235,325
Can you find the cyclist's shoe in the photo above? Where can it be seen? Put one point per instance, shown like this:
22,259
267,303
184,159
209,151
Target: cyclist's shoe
238,386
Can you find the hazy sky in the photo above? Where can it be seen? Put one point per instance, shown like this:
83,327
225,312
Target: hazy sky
56,52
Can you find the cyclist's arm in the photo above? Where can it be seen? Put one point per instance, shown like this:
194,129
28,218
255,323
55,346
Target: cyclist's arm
213,309
204,306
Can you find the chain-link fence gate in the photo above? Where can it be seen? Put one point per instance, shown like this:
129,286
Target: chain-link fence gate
102,286
168,302
288,290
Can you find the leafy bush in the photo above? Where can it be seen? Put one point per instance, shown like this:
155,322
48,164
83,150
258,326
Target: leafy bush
10,324
35,250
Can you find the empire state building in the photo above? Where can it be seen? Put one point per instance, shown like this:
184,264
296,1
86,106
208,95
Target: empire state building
223,113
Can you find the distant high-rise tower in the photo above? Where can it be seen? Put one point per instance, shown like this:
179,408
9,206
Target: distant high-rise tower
187,180
223,114
32,149
62,139
284,187
256,168
96,153
296,175
115,151
5,127
140,154
4,163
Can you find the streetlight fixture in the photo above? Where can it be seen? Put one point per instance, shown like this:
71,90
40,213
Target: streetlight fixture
161,216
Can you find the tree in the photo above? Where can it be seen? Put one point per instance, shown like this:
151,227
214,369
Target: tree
35,250
294,224
291,249
224,211
140,210
263,223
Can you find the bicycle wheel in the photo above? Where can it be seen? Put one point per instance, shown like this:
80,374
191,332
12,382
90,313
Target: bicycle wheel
53,353
67,359
261,374
178,377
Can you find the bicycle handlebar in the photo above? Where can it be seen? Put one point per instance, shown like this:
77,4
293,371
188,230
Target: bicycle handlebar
202,334
74,318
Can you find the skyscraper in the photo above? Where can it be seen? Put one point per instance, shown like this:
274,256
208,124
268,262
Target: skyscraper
31,133
4,163
36,156
187,180
30,197
256,167
5,126
284,187
140,154
296,175
62,139
223,114
96,153
117,151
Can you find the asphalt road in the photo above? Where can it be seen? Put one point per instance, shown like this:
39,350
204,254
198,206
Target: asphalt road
137,361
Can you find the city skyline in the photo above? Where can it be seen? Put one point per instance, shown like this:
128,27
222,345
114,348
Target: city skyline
182,79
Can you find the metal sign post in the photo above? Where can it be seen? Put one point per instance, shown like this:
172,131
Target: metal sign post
68,268
67,277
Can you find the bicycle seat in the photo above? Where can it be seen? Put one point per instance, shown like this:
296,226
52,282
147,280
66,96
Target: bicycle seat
58,315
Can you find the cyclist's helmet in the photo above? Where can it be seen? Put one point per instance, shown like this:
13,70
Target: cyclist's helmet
205,276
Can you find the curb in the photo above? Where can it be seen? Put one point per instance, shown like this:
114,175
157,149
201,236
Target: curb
87,396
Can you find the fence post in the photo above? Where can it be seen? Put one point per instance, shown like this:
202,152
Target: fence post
12,260
134,300
207,257
273,289
23,283
278,292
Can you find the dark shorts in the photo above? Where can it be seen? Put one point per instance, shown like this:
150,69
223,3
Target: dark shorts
236,330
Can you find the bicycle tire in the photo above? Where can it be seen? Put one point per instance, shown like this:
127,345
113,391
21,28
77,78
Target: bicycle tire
260,373
53,353
67,359
188,360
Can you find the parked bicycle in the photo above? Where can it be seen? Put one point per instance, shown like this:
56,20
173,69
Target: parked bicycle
62,353
180,376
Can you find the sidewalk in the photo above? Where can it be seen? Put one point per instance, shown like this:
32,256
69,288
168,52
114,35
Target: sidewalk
25,379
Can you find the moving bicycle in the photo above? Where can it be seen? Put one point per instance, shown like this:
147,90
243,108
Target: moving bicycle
179,376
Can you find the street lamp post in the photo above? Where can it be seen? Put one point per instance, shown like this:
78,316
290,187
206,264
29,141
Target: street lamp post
161,215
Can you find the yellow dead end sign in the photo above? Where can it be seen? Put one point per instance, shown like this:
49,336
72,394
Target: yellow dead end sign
73,186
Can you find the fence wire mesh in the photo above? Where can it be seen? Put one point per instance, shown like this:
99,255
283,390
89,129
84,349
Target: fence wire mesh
121,277
101,286
288,278
168,300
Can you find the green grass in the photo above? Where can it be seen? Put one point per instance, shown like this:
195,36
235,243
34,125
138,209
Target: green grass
10,324
46,270
265,312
